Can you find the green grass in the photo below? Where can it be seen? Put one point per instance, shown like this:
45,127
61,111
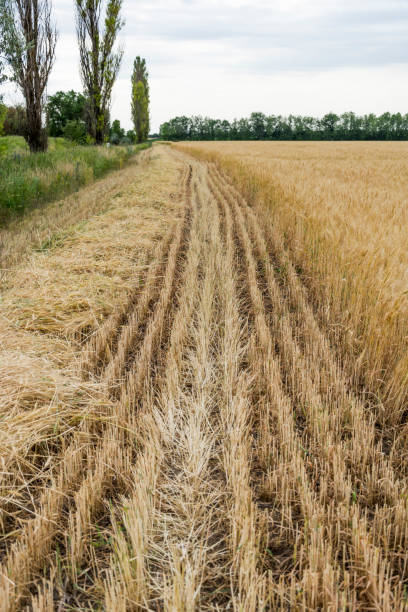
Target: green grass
12,145
16,145
30,180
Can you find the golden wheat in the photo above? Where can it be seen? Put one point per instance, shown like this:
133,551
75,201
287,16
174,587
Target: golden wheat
340,210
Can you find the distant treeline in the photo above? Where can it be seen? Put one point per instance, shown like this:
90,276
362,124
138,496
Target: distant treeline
258,126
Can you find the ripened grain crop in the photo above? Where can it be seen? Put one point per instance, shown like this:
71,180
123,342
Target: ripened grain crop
340,210
183,427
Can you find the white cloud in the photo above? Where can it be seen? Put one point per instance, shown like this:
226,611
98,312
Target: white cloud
226,58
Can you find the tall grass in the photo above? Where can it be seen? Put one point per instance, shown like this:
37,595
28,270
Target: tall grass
16,145
30,180
13,145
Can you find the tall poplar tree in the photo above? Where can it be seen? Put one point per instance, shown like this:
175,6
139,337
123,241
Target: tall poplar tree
140,99
29,39
99,61
2,44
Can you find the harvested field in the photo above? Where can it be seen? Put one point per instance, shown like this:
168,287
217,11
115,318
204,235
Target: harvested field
188,437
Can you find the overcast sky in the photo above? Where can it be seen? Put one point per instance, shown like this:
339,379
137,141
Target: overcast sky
227,58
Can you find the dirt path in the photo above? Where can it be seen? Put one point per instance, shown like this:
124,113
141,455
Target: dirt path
236,469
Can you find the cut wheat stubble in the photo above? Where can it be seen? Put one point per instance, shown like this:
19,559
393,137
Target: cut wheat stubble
355,464
134,392
112,474
377,573
36,539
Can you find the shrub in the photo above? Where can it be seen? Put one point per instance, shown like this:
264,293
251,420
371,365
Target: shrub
3,112
63,108
75,131
15,121
114,139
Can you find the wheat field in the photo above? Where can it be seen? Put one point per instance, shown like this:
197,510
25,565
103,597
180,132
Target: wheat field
340,209
186,425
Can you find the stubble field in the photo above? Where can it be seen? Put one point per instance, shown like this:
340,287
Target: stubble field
203,386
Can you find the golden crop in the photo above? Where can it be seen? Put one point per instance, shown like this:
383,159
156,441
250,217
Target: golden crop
340,208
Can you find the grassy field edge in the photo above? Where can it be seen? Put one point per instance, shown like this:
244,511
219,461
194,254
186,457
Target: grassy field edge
29,181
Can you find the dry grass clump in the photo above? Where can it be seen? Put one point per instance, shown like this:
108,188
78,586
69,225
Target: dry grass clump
79,274
340,210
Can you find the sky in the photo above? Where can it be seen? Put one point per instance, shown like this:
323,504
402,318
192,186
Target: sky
228,58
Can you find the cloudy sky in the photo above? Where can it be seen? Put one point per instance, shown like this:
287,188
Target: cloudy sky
227,58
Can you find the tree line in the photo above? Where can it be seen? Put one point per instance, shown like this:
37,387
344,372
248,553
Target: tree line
348,126
28,42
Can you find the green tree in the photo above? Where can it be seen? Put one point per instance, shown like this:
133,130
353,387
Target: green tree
2,44
140,74
15,121
3,108
131,136
99,62
29,39
328,126
75,130
257,123
64,107
140,99
3,114
348,126
117,133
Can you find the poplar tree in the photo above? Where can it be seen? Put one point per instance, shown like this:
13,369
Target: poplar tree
29,39
140,99
2,44
99,61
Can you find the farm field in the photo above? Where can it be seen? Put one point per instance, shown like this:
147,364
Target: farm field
203,385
